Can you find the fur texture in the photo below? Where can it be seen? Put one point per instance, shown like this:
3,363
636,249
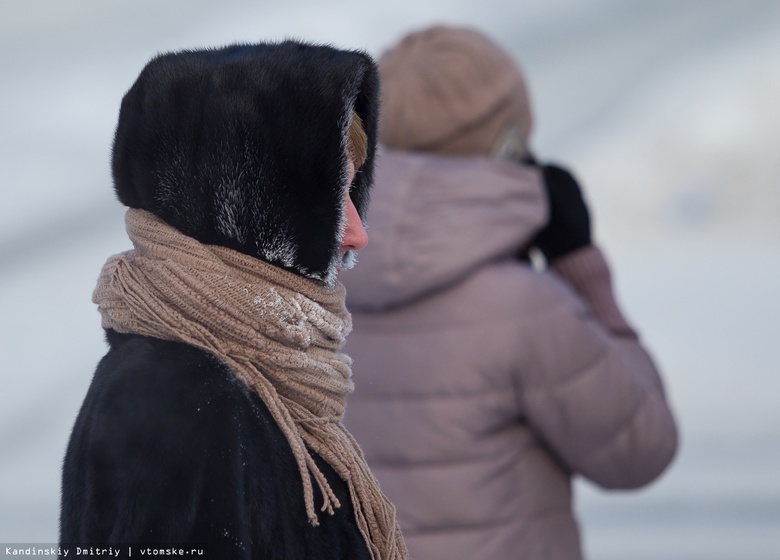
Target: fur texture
244,147
170,448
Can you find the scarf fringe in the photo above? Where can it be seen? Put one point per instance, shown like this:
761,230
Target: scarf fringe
280,333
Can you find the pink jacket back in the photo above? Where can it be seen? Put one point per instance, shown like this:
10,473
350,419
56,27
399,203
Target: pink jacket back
483,385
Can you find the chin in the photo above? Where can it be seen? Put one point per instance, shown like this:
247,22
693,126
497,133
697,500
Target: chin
348,260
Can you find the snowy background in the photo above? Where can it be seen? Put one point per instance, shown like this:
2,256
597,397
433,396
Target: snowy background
667,110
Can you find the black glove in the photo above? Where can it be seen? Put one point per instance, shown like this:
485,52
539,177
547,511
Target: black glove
568,227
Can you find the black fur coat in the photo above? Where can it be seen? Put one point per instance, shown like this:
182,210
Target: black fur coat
242,147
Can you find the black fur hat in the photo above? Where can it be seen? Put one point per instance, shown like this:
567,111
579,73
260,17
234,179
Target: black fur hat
244,147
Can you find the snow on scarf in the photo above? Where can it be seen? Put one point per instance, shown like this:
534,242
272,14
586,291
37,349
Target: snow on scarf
279,332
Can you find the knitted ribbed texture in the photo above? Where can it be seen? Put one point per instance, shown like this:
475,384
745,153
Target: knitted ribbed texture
280,333
586,270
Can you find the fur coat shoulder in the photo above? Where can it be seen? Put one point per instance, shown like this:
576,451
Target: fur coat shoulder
171,448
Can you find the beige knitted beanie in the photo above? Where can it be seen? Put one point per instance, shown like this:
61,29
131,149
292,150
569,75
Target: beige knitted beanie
451,90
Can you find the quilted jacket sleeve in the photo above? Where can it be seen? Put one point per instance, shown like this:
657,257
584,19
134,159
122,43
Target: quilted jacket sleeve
596,398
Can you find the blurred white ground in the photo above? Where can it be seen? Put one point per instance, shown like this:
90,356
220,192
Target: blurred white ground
668,111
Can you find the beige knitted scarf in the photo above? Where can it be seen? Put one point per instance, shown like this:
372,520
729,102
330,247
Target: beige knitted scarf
280,333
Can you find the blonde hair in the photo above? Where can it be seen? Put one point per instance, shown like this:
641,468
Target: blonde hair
357,140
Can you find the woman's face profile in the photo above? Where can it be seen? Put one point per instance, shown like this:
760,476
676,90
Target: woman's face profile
355,237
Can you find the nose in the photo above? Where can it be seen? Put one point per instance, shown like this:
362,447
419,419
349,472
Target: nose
355,236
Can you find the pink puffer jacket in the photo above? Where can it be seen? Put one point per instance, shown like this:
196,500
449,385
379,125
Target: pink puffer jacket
482,385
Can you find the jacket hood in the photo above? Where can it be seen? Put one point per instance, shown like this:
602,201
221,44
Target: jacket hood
435,219
245,147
